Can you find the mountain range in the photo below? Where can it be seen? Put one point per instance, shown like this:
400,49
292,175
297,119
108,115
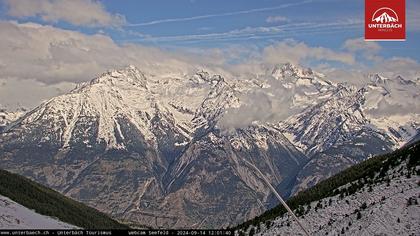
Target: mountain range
172,150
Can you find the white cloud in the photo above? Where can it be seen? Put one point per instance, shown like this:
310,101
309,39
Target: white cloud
298,52
358,73
88,13
391,67
52,55
43,57
29,93
404,107
355,75
370,52
271,104
359,44
368,49
276,19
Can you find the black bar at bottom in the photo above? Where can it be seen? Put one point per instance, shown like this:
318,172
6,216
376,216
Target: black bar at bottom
116,232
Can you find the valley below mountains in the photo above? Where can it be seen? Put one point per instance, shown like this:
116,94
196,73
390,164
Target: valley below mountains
178,150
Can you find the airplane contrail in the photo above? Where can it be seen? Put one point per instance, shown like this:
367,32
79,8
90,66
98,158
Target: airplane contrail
217,15
257,32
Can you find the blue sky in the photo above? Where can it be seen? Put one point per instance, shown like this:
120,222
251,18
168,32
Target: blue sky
317,12
172,28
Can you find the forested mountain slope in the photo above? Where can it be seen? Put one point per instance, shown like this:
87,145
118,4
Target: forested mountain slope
48,202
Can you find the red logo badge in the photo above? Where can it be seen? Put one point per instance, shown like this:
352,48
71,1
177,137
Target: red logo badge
385,20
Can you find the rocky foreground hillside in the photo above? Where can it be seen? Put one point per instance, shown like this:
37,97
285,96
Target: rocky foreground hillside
377,197
26,204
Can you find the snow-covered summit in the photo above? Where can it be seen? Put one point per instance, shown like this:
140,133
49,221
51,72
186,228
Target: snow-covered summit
377,79
392,105
128,95
128,76
282,71
334,120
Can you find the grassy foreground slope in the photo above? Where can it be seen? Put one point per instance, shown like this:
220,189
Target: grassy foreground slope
346,182
48,202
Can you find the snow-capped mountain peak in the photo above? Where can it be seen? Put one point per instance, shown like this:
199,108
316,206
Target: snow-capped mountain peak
377,79
129,76
391,104
404,81
329,122
288,69
380,80
204,76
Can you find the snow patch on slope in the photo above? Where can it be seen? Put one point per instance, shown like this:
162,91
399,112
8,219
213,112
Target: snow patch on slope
387,211
16,216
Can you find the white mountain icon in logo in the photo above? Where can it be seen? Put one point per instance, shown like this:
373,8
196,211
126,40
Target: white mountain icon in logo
385,17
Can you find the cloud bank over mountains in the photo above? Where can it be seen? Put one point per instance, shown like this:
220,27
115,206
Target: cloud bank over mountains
88,13
51,59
